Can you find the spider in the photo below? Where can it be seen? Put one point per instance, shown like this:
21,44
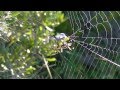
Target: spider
64,42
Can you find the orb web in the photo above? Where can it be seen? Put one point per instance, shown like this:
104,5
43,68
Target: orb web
97,50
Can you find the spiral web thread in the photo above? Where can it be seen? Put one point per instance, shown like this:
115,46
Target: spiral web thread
97,50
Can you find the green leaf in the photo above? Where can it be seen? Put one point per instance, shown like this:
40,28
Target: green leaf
15,13
51,59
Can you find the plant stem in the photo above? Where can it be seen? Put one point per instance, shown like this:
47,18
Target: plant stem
46,64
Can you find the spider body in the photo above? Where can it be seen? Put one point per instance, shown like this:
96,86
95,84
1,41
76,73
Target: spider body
63,42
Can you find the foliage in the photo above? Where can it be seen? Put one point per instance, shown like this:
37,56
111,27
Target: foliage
24,37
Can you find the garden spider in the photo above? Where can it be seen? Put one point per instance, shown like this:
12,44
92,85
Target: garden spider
64,42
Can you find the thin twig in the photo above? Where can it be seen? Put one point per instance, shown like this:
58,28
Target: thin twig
46,64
